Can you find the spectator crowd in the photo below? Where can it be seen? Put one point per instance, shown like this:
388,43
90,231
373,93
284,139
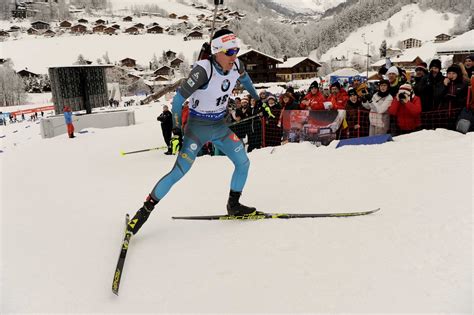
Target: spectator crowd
398,103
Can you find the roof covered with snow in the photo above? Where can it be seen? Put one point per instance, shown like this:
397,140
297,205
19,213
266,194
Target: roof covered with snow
291,62
462,44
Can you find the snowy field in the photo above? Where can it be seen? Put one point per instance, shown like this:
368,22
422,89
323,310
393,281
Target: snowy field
410,22
64,201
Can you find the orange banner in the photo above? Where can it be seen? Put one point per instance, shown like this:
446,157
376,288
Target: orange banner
33,110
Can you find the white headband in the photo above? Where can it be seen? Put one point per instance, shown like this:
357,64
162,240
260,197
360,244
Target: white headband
224,42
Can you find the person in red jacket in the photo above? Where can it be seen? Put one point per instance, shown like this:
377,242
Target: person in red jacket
185,114
406,106
338,97
314,99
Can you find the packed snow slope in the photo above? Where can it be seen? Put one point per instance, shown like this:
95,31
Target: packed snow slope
64,202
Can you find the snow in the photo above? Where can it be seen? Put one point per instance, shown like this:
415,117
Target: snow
64,200
171,6
291,62
464,42
425,25
64,50
309,6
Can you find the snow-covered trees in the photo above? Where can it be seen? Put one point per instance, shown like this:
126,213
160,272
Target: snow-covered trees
389,30
383,49
12,87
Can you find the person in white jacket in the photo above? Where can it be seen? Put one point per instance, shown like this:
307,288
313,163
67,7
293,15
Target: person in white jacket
379,117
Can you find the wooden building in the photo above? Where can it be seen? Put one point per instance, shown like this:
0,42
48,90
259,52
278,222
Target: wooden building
164,70
82,21
260,67
170,54
411,43
183,17
172,16
408,62
27,74
110,31
442,38
65,24
32,31
40,25
99,22
155,30
4,34
194,35
140,26
99,28
79,29
49,33
298,68
127,19
128,62
176,62
132,30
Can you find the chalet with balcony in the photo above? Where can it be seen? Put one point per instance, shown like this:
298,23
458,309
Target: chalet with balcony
441,38
261,67
297,68
411,43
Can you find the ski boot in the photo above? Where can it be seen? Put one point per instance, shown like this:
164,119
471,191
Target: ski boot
235,208
142,215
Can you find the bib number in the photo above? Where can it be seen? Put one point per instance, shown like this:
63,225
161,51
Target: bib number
222,100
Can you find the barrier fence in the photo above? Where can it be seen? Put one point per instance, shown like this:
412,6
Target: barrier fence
318,127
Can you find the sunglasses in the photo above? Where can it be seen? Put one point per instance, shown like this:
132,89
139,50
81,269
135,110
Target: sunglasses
231,52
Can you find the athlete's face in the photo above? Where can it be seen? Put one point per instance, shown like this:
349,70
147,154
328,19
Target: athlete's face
225,61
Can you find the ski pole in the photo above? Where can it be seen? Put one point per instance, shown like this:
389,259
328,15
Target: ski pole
144,150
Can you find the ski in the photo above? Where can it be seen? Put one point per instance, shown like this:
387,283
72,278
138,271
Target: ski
267,215
144,150
121,259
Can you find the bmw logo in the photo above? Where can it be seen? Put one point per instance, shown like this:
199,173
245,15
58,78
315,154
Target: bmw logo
225,85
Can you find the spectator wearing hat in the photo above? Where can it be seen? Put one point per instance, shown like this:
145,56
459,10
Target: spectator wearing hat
420,71
431,87
469,66
326,91
379,117
242,110
68,119
313,99
454,94
273,131
338,96
394,78
406,107
353,106
360,87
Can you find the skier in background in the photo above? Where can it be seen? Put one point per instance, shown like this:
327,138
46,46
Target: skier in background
68,119
209,87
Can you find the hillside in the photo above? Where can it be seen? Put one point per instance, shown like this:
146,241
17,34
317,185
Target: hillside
411,21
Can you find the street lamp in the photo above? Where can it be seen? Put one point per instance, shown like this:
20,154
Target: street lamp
368,56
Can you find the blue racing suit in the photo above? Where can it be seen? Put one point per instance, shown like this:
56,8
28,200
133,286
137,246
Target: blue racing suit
202,128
